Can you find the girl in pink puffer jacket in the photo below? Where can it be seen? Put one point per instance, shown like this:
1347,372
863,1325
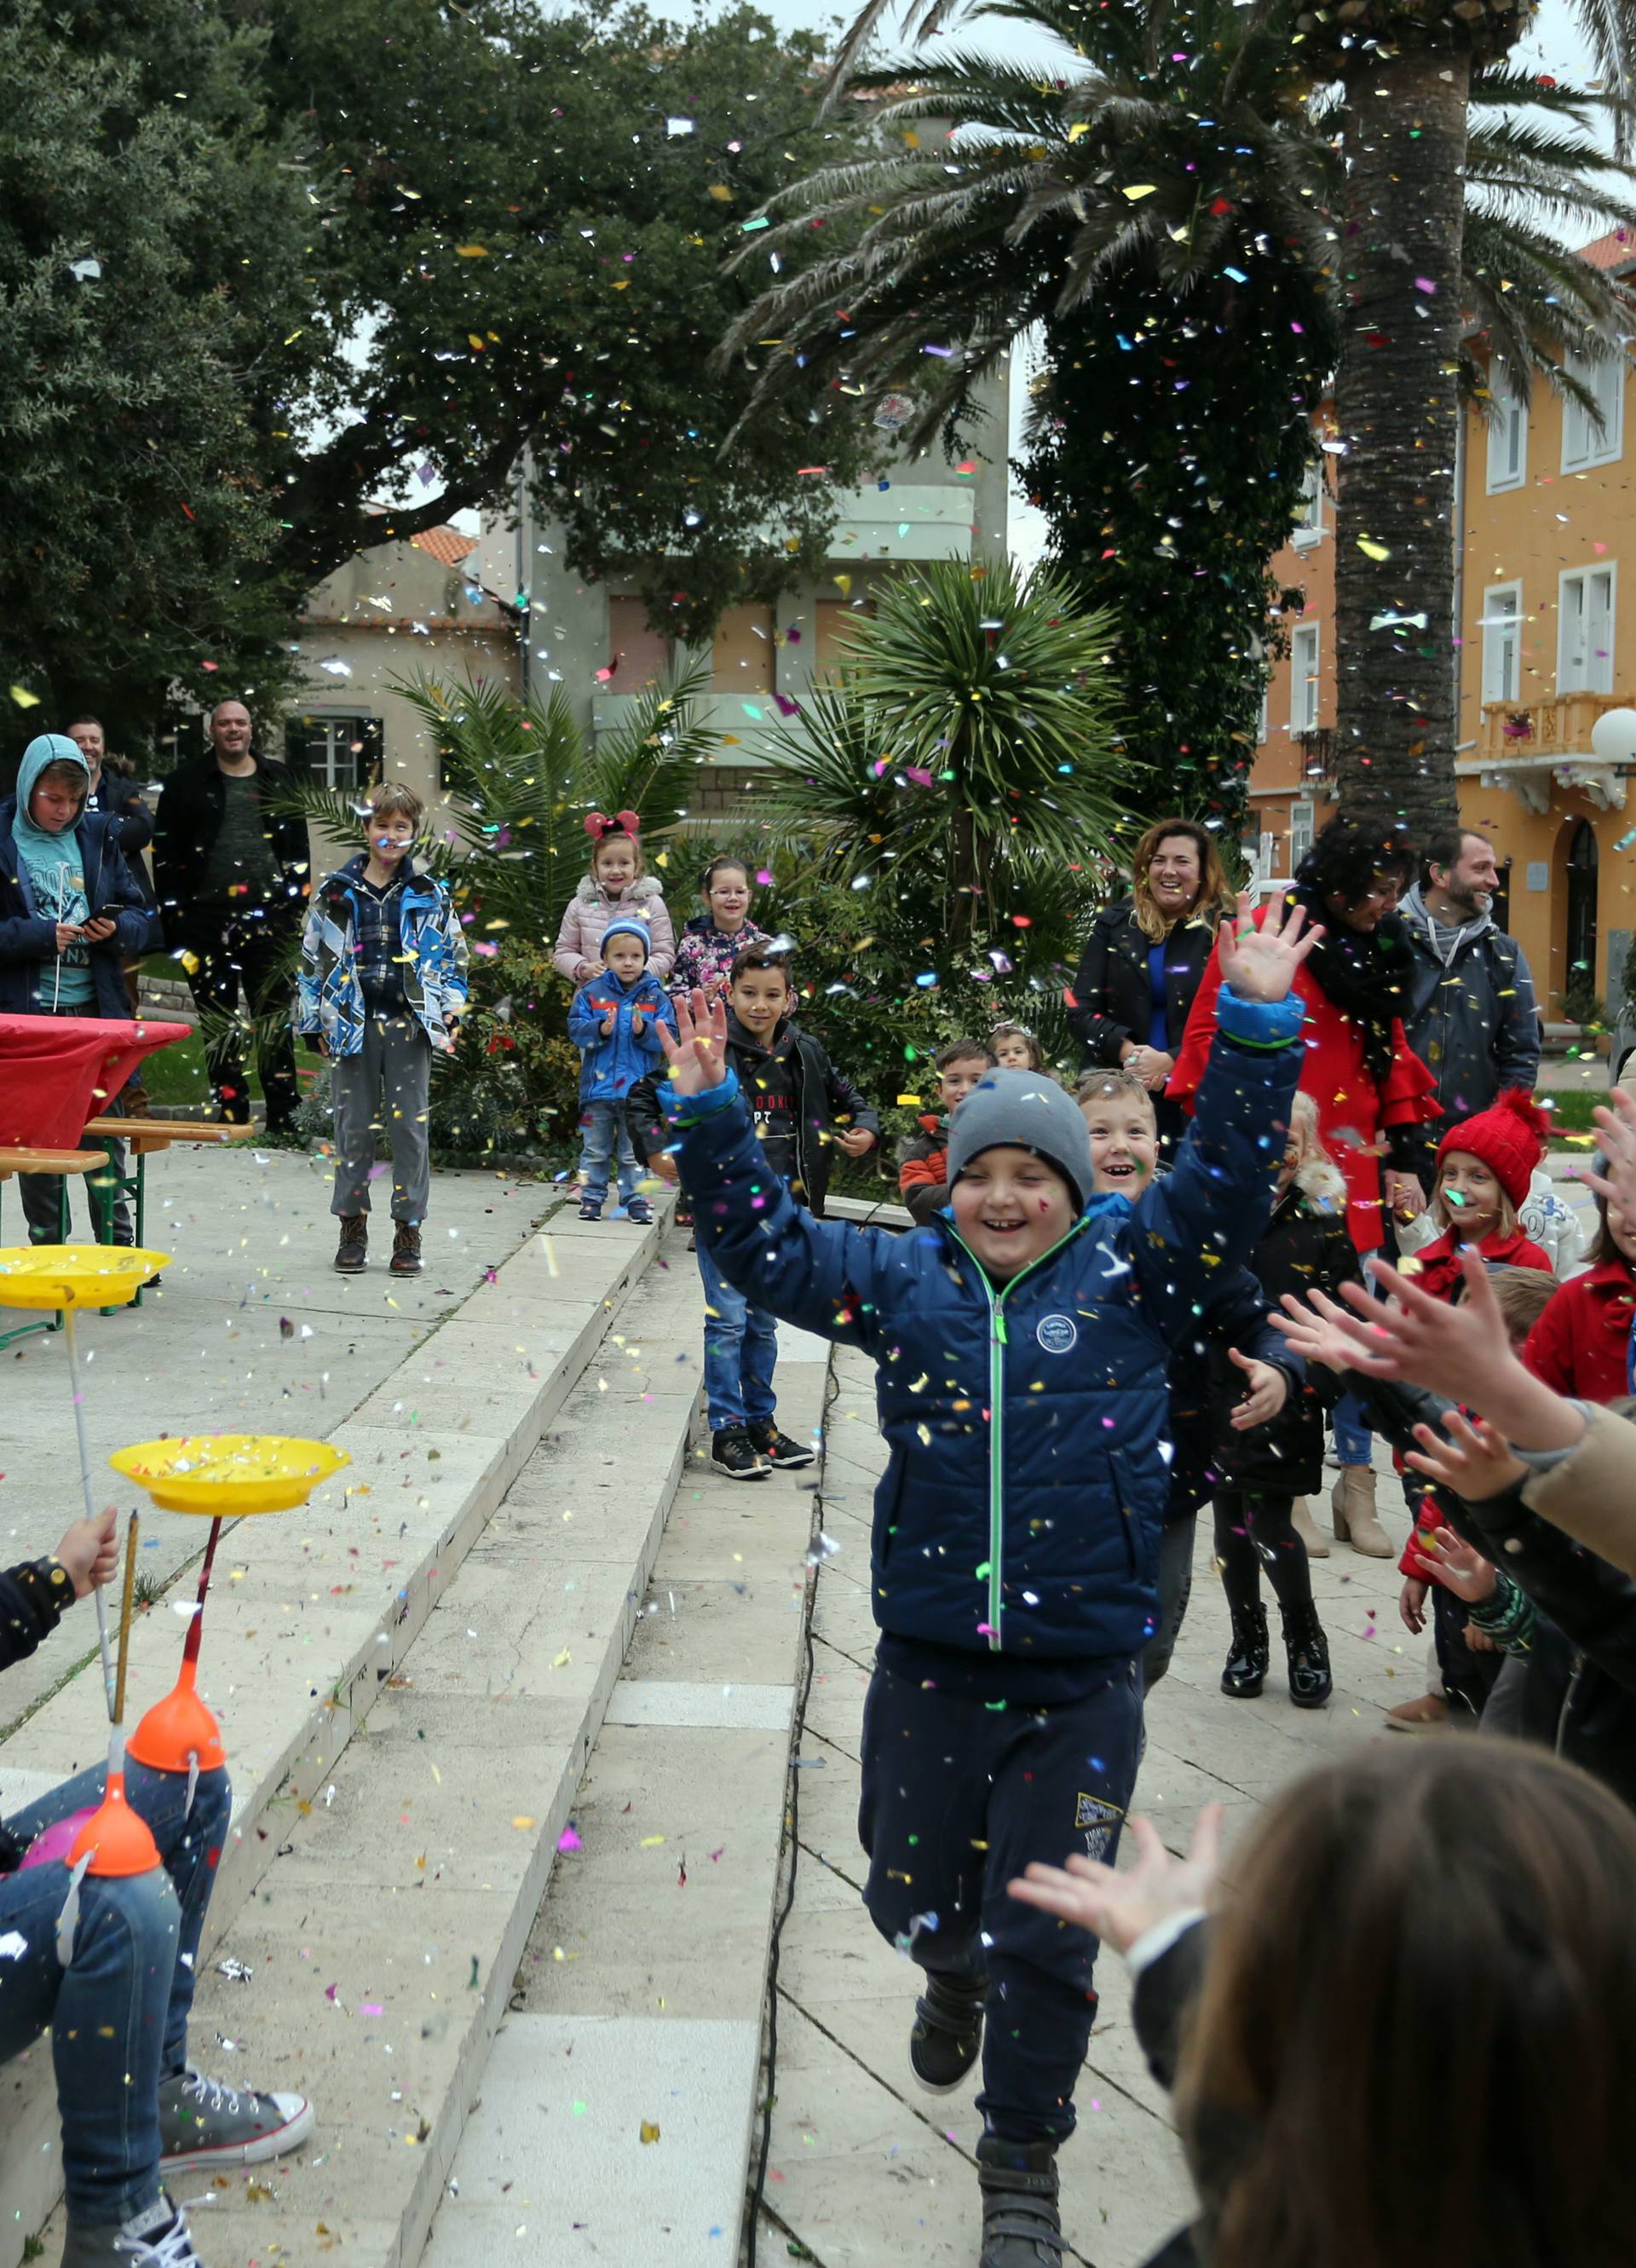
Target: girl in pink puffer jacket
616,884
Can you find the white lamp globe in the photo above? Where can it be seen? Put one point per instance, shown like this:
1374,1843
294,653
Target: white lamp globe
1613,736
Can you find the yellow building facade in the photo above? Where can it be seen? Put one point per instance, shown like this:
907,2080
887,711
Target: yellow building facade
1546,628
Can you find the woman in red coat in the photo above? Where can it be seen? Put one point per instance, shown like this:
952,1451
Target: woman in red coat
1370,1087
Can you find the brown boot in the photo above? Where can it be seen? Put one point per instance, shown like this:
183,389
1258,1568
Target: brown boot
352,1253
1352,1507
1428,1712
1310,1535
406,1249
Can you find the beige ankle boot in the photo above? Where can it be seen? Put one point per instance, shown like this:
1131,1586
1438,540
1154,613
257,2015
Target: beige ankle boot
1302,1520
1352,1507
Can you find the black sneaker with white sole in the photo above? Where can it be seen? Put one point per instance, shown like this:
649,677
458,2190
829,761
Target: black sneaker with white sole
735,1455
157,2237
778,1449
947,2033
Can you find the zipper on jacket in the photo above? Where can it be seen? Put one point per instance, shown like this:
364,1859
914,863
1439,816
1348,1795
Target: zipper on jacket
1567,1701
998,1343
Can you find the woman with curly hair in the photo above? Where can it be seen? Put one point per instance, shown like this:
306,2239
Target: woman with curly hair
1145,959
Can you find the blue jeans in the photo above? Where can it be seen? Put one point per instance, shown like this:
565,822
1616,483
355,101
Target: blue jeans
740,1349
119,2013
1354,1444
604,1125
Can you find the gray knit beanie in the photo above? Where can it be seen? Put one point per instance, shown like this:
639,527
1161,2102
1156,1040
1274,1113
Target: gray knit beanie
1020,1108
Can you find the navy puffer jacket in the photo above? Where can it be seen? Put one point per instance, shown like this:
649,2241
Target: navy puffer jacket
1020,1507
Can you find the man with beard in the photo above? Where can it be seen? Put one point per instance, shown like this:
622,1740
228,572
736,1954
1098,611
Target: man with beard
1469,1016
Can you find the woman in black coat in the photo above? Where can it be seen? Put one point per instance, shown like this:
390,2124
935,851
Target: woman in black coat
1144,961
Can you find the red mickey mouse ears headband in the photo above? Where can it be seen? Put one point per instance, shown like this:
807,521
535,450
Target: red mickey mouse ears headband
598,825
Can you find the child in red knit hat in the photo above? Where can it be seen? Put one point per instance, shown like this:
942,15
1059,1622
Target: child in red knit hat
1485,1166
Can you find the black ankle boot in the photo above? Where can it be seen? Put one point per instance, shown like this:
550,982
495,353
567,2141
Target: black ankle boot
1021,2228
1307,1648
1246,1664
948,2032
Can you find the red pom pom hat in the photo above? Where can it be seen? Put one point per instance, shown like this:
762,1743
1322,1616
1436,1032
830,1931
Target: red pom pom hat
1509,1137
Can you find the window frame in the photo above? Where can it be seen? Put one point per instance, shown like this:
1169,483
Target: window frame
1509,406
1309,529
1587,576
1307,811
1304,685
1491,638
1608,446
303,725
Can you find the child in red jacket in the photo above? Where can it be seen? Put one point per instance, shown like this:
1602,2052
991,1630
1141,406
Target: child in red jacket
1485,1166
1581,1344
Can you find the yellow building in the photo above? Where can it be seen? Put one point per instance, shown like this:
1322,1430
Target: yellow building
1546,512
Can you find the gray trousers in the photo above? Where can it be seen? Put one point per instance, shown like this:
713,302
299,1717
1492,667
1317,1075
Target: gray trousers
384,1089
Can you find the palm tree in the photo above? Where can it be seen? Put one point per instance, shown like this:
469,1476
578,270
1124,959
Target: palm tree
1163,210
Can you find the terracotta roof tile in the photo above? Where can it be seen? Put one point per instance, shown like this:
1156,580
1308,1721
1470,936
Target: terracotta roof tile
1617,250
445,543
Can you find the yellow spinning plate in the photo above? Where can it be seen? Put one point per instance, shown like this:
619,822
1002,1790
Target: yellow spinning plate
226,1475
75,1275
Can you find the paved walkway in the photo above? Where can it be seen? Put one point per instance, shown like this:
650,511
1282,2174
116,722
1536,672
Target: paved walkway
251,1328
865,2170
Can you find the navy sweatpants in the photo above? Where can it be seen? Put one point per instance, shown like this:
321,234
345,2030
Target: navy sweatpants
959,1797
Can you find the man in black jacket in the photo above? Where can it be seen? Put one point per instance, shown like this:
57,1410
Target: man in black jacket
232,871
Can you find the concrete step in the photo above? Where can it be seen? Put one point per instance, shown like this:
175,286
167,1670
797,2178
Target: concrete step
313,1612
385,1938
618,2112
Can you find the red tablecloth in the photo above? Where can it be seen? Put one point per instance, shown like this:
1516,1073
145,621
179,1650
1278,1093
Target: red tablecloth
57,1071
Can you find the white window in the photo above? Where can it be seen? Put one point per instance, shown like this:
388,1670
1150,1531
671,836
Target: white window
1303,678
1507,436
1263,719
1585,606
1501,626
1584,442
1310,520
334,751
1300,833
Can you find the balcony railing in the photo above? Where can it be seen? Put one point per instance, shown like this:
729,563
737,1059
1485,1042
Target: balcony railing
1318,750
1557,727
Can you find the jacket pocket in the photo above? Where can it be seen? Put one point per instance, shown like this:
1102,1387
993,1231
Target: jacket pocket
1141,1489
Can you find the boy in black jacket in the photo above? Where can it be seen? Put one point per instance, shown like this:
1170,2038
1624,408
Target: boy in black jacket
801,1104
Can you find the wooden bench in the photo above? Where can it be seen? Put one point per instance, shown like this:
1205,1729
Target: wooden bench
61,1162
142,1137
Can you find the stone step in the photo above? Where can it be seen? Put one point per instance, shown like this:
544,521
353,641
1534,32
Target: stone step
313,1611
618,2110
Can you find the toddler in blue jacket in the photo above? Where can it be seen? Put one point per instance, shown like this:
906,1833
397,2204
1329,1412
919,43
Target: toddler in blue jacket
1022,1339
614,1022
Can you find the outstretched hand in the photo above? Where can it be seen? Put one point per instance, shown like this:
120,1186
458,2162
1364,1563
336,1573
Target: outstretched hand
697,1056
1617,1181
1267,1389
1120,1908
1260,964
1473,1461
1318,1330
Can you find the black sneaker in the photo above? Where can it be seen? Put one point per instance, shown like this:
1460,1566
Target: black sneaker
948,2032
641,1211
590,1208
733,1454
778,1448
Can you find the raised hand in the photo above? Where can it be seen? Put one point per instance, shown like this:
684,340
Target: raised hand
697,1056
1318,1330
1460,1567
1617,1183
1120,1908
1472,1460
1260,964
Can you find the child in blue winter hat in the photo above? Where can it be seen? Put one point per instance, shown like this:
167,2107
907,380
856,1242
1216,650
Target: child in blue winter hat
615,1024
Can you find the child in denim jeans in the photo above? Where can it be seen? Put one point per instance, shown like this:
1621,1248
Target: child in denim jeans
612,1023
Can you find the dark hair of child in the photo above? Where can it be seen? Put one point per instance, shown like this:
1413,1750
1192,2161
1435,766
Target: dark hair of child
1603,1250
755,959
724,865
962,1051
1036,1053
1478,1889
1109,1085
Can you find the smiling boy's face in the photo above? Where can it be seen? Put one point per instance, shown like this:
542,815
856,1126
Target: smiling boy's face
759,997
958,1079
1124,1143
1010,1208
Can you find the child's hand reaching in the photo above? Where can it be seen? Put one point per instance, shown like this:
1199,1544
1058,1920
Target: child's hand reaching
1260,964
1412,1604
608,1023
697,1056
1473,1461
1266,1392
1120,1908
1462,1568
1318,1330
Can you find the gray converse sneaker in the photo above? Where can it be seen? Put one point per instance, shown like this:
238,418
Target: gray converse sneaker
202,2122
158,2237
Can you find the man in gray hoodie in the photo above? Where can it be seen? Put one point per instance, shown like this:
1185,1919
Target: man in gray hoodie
1471,1016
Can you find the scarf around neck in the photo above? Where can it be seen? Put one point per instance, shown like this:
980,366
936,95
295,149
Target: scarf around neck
1365,975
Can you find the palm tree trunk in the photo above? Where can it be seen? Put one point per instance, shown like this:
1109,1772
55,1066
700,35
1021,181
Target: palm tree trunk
1398,409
